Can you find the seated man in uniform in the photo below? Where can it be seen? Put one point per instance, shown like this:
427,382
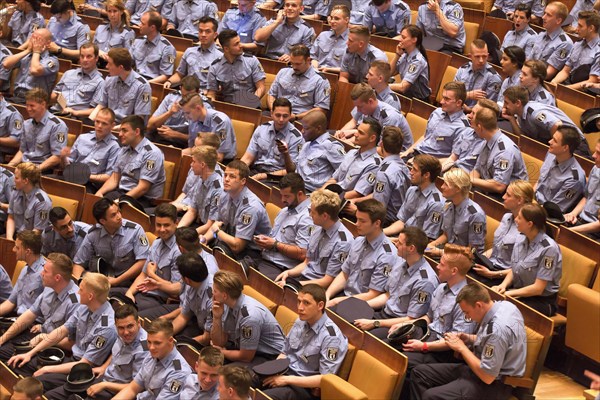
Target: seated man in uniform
562,180
480,78
500,348
64,235
184,17
325,342
125,360
90,330
408,289
244,329
11,127
51,308
301,84
359,55
328,244
245,19
234,382
25,20
139,170
163,371
443,20
153,54
284,31
241,216
68,31
370,260
286,244
44,135
500,161
378,78
583,66
329,47
121,243
321,154
204,384
29,205
387,18
159,279
275,145
98,150
522,35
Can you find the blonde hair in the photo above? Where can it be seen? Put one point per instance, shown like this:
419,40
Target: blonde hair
325,201
206,154
460,257
31,172
98,284
119,5
230,283
458,178
523,190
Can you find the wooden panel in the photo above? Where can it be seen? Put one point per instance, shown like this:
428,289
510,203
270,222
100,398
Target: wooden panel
227,263
92,22
8,378
238,112
87,215
180,44
265,286
580,244
533,147
8,258
137,216
493,208
186,162
343,105
476,17
355,336
260,189
499,26
384,43
389,356
65,189
438,62
421,109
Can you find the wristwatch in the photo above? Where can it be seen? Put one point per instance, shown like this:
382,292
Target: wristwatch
376,324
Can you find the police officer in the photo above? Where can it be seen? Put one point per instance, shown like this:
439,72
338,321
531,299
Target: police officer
204,384
553,46
536,120
286,244
37,67
562,180
479,77
464,221
321,154
196,60
91,328
185,16
163,371
410,61
536,263
127,355
533,75
7,187
513,58
44,136
580,5
410,283
236,77
370,260
204,206
378,77
188,241
246,330
445,125
153,54
29,205
329,47
586,210
522,35
444,20
359,55
584,55
287,29
29,283
203,119
68,32
245,19
64,235
115,33
315,346
98,150
24,21
304,87
241,216
160,277
79,86
500,161
51,308
275,145
121,243
137,8
328,245
125,91
139,171
499,346
509,7
386,18
392,180
11,127
359,166
423,203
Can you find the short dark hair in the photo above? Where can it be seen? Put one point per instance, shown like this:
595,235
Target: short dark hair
392,139
238,378
535,213
60,6
209,20
121,57
316,291
516,55
524,8
188,238
166,210
226,35
293,181
241,167
192,266
136,122
90,45
190,83
126,310
428,163
458,88
100,207
515,93
31,240
415,237
473,293
56,214
29,386
160,325
300,50
570,137
37,94
591,18
375,209
154,19
374,126
282,102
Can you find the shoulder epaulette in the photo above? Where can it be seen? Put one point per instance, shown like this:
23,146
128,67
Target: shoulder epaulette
177,365
501,145
129,224
55,120
331,330
248,55
490,328
423,273
217,119
472,209
343,236
401,6
492,70
216,60
244,312
245,201
575,174
436,196
384,167
545,243
48,229
465,65
295,132
165,40
11,108
144,344
387,247
140,37
7,173
93,228
82,233
377,160
39,196
266,124
104,320
543,95
531,31
563,37
147,147
466,123
383,114
73,298
216,183
141,79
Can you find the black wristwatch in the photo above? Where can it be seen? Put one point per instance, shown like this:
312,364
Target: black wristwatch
376,324
59,51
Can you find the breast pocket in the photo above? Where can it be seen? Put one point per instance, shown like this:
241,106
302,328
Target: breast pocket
337,54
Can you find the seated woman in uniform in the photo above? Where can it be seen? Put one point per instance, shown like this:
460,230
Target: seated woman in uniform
116,33
533,75
512,61
412,64
536,264
506,235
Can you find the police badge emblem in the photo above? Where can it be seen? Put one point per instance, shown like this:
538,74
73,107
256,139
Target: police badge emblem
247,332
332,353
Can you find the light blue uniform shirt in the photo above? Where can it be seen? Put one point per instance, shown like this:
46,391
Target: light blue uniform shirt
357,64
198,301
53,242
25,81
513,80
127,358
561,183
467,148
553,48
164,254
542,95
71,34
391,183
53,308
193,391
11,123
430,25
305,91
442,132
28,287
196,61
217,122
79,88
486,79
414,69
207,197
245,24
43,139
162,379
128,97
30,211
592,195
509,6
318,160
423,209
7,187
145,161
329,49
186,14
5,284
107,38
263,147
501,160
388,116
505,237
99,155
539,259
23,25
327,251
389,22
465,224
287,35
445,314
524,38
356,167
153,57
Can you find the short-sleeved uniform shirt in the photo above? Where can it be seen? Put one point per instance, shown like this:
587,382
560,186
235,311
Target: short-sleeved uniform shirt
486,79
356,168
79,88
414,69
196,61
561,183
245,24
329,49
592,195
442,132
145,161
186,14
445,314
164,253
233,81
99,155
71,34
429,23
30,210
524,38
423,209
53,309
53,242
501,160
128,97
26,81
553,48
162,379
23,25
357,64
389,22
318,160
28,287
217,122
11,123
305,91
505,237
287,35
327,250
108,38
391,183
263,147
153,57
465,224
44,138
127,359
